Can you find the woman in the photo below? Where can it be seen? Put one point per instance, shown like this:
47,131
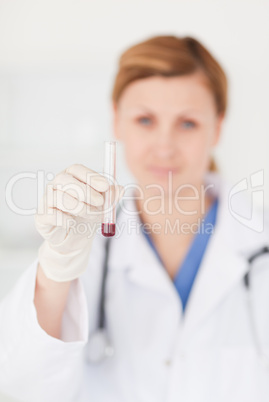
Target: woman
176,312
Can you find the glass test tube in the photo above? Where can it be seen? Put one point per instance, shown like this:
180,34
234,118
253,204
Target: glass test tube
109,170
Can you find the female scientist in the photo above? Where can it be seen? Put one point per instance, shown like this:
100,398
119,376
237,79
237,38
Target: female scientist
175,306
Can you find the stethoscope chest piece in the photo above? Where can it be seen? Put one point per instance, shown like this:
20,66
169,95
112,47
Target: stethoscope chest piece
99,347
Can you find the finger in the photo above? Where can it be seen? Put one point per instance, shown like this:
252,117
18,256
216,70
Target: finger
48,218
78,190
62,201
88,176
51,224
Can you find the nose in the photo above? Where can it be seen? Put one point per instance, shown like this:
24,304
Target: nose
164,145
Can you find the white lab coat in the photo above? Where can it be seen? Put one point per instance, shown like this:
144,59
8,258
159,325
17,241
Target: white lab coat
207,355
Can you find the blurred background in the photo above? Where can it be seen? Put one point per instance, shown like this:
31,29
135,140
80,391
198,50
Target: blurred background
57,64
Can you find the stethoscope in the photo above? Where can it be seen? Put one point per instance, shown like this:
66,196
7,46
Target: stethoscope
264,359
99,345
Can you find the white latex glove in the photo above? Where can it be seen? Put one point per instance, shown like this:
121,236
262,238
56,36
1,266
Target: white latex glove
67,218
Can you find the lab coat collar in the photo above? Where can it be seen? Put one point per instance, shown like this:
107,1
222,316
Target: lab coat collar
137,258
225,260
223,265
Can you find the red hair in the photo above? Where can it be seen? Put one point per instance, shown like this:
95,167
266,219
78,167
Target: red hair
170,56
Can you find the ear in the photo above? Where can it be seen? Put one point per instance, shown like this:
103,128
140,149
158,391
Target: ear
115,120
219,123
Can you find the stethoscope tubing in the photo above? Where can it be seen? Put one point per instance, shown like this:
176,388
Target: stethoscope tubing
101,319
101,332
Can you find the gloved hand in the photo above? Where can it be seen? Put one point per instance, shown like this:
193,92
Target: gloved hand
67,218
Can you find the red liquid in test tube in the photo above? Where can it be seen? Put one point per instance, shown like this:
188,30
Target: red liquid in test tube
108,229
109,214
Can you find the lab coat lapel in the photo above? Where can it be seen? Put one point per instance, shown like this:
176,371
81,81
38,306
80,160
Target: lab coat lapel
147,269
224,263
220,270
138,260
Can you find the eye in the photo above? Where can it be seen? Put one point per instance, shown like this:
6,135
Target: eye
145,121
188,124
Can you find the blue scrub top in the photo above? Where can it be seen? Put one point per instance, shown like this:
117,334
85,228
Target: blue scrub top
187,271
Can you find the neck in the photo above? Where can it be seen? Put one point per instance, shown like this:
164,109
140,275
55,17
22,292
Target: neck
170,211
172,224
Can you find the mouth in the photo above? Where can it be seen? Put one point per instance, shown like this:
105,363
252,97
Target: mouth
162,171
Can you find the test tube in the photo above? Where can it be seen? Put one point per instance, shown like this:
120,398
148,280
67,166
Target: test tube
109,168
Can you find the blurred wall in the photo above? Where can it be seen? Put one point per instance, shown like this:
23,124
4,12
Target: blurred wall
57,63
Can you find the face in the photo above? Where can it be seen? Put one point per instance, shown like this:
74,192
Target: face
168,127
